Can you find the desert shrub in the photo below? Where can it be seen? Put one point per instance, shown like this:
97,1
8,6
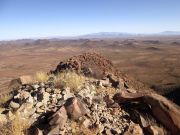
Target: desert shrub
79,129
41,76
17,126
69,79
5,98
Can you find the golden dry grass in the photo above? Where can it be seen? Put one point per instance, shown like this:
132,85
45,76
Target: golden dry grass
41,76
17,126
79,129
69,79
5,98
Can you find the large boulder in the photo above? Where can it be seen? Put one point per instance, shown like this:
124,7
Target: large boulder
163,110
26,79
15,84
75,108
59,118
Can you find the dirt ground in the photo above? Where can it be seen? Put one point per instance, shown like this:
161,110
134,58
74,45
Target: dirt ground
153,61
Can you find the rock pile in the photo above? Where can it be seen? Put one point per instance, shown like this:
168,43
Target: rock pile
91,64
55,108
105,106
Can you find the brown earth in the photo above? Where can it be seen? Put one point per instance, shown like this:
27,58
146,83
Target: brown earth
153,61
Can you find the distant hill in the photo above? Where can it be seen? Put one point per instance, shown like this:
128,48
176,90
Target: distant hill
170,33
108,35
99,35
127,35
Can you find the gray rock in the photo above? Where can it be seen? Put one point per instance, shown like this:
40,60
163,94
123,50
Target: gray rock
61,102
41,84
104,83
67,94
39,104
38,110
3,119
57,91
48,90
59,96
14,105
45,97
86,123
36,86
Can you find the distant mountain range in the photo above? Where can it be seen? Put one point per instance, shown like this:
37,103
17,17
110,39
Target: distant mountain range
106,35
170,33
123,34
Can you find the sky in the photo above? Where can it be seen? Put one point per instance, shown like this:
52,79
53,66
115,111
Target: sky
51,18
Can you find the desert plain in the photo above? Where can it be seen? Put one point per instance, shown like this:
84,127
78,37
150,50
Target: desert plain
154,61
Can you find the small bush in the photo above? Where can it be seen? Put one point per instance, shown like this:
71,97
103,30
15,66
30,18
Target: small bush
69,79
5,98
17,126
41,76
79,129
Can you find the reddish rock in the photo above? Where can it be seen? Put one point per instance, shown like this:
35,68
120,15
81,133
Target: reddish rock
75,108
59,118
163,110
37,132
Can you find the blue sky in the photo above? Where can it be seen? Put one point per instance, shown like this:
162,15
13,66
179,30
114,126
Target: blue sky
45,18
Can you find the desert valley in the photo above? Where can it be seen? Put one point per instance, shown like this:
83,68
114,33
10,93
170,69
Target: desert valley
153,61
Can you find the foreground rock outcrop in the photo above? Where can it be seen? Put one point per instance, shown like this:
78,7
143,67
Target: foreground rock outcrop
103,103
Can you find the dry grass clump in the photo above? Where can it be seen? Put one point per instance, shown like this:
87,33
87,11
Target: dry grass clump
69,79
5,98
41,76
79,129
17,126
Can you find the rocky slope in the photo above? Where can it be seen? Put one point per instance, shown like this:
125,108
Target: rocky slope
104,103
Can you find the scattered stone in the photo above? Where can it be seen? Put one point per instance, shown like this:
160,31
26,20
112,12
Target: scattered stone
86,123
45,98
57,91
14,105
15,84
154,130
67,94
38,110
48,90
134,129
104,83
94,111
35,86
3,119
24,95
10,115
26,79
37,131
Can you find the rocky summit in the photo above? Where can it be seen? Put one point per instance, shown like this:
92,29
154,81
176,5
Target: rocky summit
101,104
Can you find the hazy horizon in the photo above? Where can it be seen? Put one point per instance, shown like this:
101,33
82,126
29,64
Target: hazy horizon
46,18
